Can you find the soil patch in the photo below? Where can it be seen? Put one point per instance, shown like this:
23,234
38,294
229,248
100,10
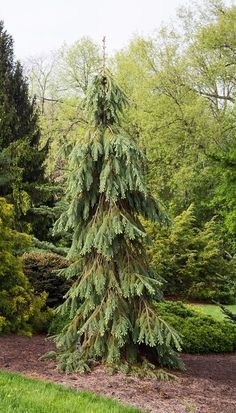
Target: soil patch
207,386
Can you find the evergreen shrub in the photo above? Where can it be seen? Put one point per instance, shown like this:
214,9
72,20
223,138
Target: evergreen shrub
57,323
3,323
200,334
42,271
15,293
192,260
21,311
41,315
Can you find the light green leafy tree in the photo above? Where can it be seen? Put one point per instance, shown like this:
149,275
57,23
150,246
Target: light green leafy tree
78,64
182,86
60,81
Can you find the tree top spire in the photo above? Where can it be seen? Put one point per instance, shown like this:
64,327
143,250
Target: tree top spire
104,51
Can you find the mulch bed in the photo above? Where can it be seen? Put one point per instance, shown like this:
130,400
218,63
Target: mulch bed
207,386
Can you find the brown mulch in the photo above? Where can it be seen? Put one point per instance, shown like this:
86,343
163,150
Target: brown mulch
208,385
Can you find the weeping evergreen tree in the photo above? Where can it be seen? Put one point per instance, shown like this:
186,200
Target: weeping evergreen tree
109,306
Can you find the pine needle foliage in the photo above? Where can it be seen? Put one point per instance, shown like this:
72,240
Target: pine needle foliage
109,306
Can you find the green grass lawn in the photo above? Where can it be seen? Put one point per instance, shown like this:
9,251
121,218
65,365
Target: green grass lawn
214,310
19,394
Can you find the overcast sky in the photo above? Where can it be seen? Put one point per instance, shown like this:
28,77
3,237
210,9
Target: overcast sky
39,26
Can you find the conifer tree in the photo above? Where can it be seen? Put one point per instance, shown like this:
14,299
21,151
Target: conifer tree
109,306
22,179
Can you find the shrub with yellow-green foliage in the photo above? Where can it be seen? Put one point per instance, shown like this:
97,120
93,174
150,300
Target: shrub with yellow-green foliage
18,305
192,260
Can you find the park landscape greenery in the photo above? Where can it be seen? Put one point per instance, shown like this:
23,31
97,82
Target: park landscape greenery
119,190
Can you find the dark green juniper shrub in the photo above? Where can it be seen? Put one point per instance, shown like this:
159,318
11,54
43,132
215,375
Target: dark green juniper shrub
42,270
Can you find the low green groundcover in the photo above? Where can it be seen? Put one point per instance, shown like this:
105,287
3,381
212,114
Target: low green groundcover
22,395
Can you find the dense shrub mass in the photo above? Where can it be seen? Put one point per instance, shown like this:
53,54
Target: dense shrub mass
15,296
20,310
42,272
201,334
41,315
192,260
57,323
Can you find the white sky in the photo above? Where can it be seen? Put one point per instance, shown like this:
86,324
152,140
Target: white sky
39,26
